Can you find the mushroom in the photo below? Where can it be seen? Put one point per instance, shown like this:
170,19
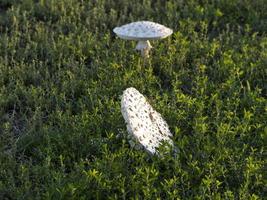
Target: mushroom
145,126
143,31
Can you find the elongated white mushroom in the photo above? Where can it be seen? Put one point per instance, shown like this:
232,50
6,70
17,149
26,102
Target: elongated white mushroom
145,125
143,31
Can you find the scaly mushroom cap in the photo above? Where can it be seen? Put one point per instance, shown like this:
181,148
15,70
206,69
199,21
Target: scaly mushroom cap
144,124
142,30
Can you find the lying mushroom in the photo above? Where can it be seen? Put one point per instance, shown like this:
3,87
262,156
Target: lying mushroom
144,124
143,31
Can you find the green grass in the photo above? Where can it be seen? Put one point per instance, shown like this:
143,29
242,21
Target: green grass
62,72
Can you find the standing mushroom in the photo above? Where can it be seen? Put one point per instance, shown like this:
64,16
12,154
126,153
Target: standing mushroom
145,126
143,31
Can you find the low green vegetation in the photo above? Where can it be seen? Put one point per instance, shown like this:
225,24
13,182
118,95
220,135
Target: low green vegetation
62,72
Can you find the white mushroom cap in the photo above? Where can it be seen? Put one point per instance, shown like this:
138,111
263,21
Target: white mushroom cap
142,30
144,124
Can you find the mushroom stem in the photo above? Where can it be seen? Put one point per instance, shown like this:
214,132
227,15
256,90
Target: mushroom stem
144,46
